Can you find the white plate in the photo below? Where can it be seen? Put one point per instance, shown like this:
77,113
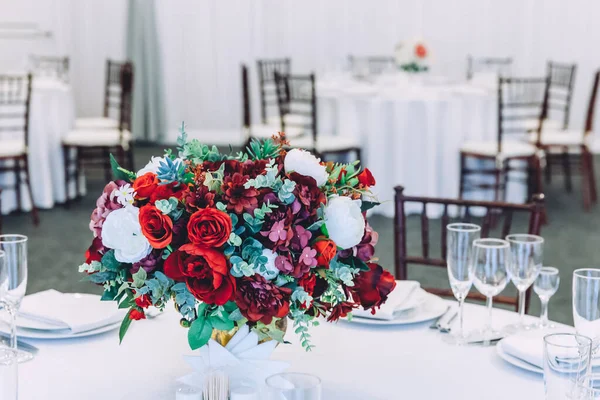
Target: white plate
432,307
65,334
516,361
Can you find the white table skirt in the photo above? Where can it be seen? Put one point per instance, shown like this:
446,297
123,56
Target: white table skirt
52,112
355,362
411,132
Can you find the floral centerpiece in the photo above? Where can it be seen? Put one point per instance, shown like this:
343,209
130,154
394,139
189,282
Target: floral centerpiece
412,56
249,238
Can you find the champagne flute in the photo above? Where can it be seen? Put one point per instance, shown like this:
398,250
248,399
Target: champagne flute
545,286
586,303
525,265
490,275
459,254
13,283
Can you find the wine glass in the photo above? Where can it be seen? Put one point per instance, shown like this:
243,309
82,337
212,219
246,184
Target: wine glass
586,303
13,283
459,258
525,265
490,275
545,286
292,386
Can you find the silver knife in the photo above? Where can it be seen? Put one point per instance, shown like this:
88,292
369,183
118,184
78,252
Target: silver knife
21,345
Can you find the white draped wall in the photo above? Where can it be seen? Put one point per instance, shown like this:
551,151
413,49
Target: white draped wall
204,42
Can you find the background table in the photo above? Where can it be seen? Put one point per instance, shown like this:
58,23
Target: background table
52,112
411,128
355,362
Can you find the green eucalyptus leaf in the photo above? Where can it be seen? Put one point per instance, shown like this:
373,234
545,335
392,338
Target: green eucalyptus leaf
124,326
199,332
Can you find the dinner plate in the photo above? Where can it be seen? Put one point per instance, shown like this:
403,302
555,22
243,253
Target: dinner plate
431,307
517,362
64,334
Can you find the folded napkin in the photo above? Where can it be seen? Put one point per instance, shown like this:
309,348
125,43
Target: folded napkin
405,296
529,346
73,311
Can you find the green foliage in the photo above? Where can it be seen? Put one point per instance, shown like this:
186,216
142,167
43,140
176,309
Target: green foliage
263,150
110,262
170,171
268,180
302,323
240,267
124,326
139,278
119,172
185,301
169,207
213,180
367,205
199,332
159,287
285,192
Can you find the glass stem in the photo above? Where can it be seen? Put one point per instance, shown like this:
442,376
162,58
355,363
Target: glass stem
522,307
461,303
13,326
544,315
488,325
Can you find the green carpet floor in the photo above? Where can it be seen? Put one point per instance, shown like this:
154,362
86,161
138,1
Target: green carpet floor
57,245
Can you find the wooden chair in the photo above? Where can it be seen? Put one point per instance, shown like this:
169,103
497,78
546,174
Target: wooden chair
534,211
375,65
15,99
50,66
266,84
93,145
500,66
519,99
573,149
297,99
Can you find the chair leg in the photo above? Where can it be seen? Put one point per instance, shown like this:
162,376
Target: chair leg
548,169
567,170
66,162
17,171
130,163
359,155
107,167
586,180
77,172
34,210
594,191
461,188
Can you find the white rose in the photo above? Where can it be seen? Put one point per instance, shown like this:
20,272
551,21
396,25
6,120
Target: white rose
344,221
269,271
122,232
154,164
304,163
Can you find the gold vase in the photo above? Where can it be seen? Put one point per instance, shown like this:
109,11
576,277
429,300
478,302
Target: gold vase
223,337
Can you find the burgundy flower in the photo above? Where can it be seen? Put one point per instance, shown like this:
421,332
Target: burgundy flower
284,264
340,310
104,205
201,197
261,300
308,193
371,288
95,251
149,263
365,250
300,238
238,198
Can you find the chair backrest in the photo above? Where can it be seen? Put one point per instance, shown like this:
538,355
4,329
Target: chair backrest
296,95
266,82
374,64
246,117
501,66
118,92
491,222
591,109
15,98
51,66
521,100
562,81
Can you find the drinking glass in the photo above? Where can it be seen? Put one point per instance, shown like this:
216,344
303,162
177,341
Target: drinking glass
566,359
586,303
545,286
13,282
293,386
9,384
490,276
459,258
525,265
588,388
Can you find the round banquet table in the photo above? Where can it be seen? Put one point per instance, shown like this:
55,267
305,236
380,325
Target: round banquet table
355,362
411,128
52,112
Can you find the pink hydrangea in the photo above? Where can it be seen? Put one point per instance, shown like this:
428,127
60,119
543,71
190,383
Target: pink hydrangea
105,204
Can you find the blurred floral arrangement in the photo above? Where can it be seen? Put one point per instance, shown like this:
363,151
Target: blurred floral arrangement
248,238
412,56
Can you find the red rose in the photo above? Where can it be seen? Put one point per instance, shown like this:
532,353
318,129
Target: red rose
371,288
308,282
366,178
205,272
261,300
326,250
145,185
95,251
209,227
420,50
164,192
136,314
143,301
156,227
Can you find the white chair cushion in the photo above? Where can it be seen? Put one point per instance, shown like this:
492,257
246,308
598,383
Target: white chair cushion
510,149
325,143
533,124
559,137
12,148
96,138
266,131
96,123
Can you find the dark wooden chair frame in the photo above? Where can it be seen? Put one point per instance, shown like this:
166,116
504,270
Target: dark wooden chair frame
117,74
500,62
561,76
266,81
376,64
58,64
402,259
20,163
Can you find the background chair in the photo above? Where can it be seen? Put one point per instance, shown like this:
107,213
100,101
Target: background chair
297,99
266,82
562,81
533,211
519,99
573,150
374,65
500,66
15,98
94,145
50,66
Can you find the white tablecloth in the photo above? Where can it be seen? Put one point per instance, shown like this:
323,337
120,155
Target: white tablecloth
52,112
355,362
411,129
